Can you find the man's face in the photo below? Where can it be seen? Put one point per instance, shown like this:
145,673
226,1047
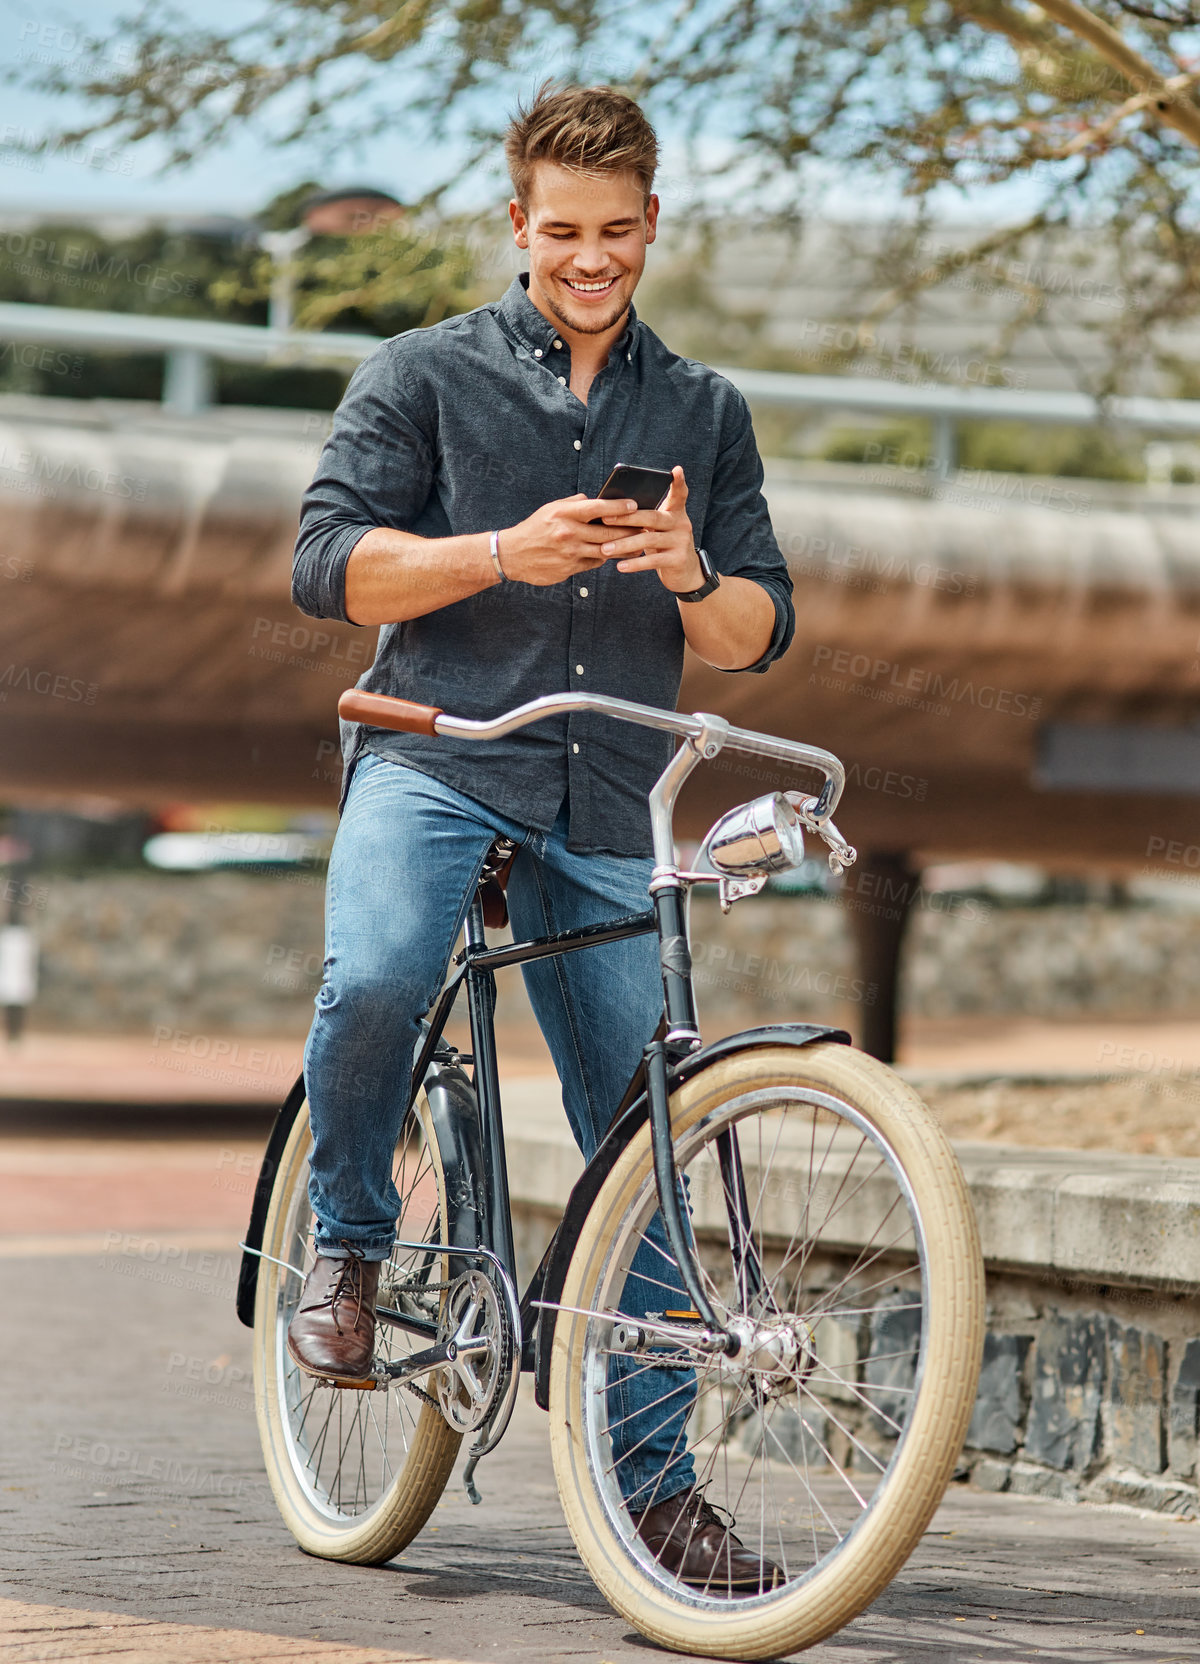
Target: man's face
587,236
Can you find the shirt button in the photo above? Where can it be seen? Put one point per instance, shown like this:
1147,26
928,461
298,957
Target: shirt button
575,749
579,670
578,444
559,344
583,591
562,381
537,352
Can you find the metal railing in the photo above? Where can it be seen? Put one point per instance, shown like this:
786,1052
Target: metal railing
190,345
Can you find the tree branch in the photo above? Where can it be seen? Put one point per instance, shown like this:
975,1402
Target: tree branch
1177,112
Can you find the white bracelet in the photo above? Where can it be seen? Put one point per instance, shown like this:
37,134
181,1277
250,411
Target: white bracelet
494,546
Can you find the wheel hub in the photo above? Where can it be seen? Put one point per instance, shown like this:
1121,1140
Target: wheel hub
776,1354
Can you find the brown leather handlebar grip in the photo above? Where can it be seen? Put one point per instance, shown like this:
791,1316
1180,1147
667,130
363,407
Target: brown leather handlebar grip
380,710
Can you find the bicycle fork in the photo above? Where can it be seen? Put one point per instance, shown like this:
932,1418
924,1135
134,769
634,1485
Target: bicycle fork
747,1267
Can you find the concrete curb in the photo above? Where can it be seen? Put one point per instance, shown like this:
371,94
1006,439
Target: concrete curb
1090,1389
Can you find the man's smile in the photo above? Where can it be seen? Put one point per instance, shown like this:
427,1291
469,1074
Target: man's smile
591,286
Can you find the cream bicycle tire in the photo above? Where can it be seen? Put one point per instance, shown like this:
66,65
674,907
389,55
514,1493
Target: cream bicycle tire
310,1500
845,1581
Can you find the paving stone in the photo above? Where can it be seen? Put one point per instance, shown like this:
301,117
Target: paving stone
1069,1363
1136,1434
999,1405
1185,1412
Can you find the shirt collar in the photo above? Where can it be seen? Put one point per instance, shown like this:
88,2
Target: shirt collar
536,333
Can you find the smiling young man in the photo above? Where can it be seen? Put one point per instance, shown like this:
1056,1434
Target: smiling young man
455,505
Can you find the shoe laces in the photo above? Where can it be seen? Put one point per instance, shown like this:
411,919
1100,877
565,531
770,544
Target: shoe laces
349,1285
703,1513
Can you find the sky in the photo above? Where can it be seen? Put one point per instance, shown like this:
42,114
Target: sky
236,178
240,176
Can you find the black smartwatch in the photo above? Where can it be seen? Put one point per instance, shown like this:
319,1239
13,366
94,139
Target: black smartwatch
711,581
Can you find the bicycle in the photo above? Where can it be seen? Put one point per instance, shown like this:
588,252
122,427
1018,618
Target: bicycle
822,1297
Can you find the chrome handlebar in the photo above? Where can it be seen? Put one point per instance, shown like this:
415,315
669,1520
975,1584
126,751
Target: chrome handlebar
706,736
697,728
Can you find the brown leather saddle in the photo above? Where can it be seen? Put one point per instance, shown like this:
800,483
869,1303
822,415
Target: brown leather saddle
493,880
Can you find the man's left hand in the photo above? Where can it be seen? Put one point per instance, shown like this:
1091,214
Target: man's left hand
664,542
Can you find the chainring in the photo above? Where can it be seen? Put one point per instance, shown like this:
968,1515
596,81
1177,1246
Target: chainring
475,1320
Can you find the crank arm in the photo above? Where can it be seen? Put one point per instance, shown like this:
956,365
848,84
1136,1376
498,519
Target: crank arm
433,1357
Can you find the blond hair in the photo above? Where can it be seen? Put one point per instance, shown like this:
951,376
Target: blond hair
590,129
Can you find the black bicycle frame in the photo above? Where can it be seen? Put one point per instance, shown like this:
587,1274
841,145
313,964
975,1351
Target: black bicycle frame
677,1036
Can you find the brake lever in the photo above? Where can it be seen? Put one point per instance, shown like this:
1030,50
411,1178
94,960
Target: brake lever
841,853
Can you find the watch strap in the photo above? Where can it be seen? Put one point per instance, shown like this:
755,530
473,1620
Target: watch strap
711,581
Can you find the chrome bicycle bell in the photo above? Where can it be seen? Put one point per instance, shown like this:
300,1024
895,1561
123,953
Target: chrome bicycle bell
755,838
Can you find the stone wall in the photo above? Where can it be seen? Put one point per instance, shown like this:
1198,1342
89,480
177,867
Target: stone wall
1089,1394
127,952
1090,1385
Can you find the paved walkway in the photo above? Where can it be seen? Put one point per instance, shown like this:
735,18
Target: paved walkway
136,1523
132,1495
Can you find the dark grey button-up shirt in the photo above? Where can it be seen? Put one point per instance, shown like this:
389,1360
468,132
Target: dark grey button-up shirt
471,425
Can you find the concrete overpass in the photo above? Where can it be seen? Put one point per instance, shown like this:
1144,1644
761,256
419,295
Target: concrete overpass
969,646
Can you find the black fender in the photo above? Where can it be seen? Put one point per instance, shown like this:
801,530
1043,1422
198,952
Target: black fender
280,1133
552,1273
454,1111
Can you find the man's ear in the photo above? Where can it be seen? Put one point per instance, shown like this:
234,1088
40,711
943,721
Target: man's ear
651,217
520,224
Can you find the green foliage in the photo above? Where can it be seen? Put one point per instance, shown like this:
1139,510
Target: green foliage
378,283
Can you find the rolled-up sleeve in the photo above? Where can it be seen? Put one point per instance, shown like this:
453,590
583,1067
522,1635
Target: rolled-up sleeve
376,469
737,534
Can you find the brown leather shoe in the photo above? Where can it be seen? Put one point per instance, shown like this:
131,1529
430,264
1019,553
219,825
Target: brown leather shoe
333,1331
686,1536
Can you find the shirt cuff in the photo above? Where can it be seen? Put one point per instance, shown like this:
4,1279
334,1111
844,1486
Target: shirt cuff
319,580
781,635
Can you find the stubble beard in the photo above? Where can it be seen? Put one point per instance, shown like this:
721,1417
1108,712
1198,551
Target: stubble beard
588,326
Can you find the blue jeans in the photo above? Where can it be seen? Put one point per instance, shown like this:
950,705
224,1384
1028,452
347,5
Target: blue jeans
404,866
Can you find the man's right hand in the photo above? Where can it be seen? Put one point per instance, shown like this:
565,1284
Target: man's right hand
558,539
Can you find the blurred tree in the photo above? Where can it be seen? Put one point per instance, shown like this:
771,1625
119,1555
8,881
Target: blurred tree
1091,112
393,277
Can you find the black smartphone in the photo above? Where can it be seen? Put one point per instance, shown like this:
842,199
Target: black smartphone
647,486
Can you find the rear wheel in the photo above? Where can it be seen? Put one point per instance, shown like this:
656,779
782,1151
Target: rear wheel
857,1289
355,1474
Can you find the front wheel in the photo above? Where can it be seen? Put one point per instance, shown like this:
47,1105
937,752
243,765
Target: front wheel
852,1273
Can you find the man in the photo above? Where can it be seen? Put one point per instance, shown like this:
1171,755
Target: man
455,505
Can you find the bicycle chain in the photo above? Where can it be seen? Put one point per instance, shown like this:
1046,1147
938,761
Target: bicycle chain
422,1288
